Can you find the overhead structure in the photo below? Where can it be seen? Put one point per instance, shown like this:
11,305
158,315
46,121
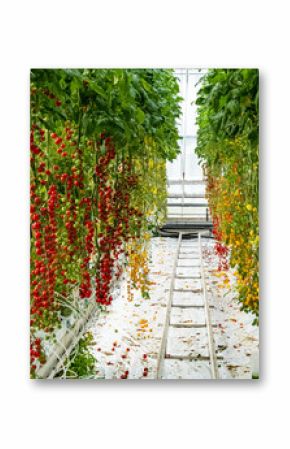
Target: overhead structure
187,206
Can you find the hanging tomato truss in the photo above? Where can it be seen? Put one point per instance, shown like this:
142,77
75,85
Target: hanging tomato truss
227,144
111,166
99,141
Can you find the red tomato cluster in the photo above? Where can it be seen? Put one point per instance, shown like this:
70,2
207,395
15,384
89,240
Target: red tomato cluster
36,352
85,286
220,249
43,271
78,231
114,213
35,150
106,241
51,96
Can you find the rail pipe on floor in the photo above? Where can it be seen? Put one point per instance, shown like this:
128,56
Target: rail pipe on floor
162,350
211,346
64,347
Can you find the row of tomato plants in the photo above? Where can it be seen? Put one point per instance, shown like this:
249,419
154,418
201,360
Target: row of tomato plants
228,147
99,141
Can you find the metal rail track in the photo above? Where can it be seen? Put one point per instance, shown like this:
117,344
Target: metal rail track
212,353
162,351
163,355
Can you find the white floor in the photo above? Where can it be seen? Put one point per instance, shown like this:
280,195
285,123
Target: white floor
127,336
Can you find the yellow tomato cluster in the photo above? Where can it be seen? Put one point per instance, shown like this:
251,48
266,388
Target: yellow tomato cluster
149,197
137,252
233,201
150,194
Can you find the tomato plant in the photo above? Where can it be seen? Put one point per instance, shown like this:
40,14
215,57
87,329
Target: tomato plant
228,147
99,143
81,364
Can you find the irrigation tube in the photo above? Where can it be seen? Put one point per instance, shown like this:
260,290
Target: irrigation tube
66,344
64,347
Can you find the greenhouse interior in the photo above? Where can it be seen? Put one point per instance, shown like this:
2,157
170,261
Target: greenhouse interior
144,224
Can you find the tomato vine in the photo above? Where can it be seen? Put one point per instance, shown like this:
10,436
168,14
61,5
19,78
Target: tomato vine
99,142
228,120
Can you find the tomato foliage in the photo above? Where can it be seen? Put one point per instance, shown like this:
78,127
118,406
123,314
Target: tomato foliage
228,120
99,142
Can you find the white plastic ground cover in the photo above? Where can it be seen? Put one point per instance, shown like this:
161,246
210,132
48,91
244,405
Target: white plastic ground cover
187,299
188,316
78,308
57,342
237,340
128,336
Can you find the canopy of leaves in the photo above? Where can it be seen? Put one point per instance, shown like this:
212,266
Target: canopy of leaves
227,144
128,104
228,103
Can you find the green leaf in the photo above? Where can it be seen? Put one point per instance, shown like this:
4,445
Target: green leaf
140,115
